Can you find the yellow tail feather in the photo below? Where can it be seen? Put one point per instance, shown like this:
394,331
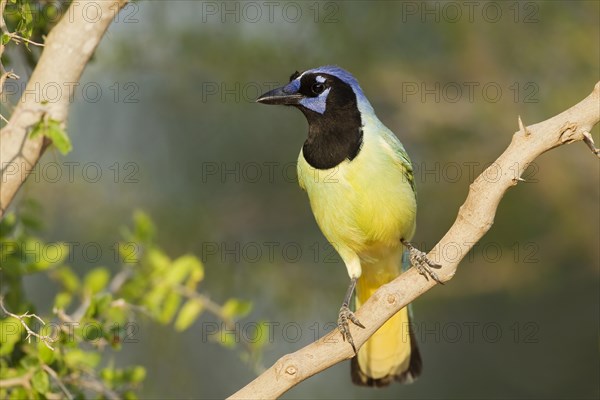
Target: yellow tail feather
391,353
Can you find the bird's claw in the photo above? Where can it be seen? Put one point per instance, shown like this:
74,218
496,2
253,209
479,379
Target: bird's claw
424,265
344,316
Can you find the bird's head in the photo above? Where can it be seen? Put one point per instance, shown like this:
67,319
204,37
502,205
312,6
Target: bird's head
335,107
320,91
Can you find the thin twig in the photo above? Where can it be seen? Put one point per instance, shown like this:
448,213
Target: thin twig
119,279
92,383
18,38
5,76
23,380
44,338
82,309
230,325
60,384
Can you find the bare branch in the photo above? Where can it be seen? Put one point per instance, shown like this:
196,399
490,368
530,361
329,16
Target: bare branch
21,318
90,382
68,48
3,28
475,218
56,378
18,38
23,380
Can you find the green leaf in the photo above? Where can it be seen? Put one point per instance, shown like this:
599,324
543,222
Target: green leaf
228,340
46,355
54,131
129,252
19,393
6,348
40,381
236,308
11,332
8,248
170,306
103,302
180,269
5,38
5,371
158,260
99,304
31,221
154,299
144,229
26,13
117,315
38,129
129,395
261,337
92,332
67,278
51,13
29,362
62,300
108,375
77,358
188,314
96,280
49,255
137,374
196,274
58,135
7,225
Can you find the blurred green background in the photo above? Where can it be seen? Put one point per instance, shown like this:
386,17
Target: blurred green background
175,132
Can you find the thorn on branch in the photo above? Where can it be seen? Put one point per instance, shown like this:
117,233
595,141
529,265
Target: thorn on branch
587,139
517,180
522,128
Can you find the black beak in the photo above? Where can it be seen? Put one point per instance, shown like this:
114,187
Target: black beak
283,96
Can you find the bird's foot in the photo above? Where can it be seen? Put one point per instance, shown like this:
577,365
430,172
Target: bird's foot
419,260
344,316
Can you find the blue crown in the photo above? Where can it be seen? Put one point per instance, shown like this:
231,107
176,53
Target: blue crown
347,78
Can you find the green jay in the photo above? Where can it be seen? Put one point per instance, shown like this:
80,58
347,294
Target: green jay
367,211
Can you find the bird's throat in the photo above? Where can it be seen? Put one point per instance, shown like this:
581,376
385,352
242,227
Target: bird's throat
332,138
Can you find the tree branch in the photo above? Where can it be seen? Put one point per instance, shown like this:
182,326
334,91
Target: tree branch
67,50
46,339
60,384
475,218
24,380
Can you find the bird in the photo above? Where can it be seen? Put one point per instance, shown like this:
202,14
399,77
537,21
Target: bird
360,184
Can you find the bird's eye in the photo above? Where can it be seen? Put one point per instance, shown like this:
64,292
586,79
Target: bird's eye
318,88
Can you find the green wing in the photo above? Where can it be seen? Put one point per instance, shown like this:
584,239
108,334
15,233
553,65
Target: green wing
401,157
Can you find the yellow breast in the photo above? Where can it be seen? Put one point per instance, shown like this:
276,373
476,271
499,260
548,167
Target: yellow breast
365,205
